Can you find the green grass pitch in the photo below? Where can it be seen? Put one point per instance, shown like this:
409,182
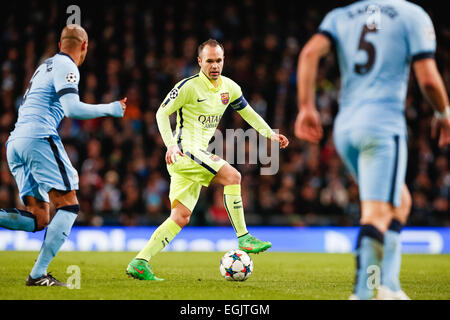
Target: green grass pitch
196,276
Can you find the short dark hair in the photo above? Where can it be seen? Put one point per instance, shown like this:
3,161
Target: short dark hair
211,43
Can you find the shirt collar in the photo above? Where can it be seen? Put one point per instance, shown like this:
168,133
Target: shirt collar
209,84
65,54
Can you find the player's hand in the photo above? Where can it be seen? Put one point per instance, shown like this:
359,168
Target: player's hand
443,127
282,140
123,103
172,154
308,126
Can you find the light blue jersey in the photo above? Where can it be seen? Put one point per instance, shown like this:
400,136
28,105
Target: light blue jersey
41,111
376,41
36,156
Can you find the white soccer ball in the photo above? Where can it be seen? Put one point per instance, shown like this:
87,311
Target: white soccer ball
236,265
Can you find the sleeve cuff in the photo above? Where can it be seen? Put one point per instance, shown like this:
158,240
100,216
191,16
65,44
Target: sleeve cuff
271,132
423,55
117,109
328,35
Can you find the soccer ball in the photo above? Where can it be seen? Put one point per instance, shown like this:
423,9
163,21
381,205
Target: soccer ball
236,265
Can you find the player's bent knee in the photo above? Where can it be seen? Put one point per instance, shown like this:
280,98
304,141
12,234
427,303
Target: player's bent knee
186,220
234,177
227,175
181,219
42,225
406,201
42,219
401,213
180,214
377,213
63,198
237,177
40,210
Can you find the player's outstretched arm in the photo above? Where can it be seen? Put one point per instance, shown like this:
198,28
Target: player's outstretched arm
307,124
260,125
74,108
66,80
433,88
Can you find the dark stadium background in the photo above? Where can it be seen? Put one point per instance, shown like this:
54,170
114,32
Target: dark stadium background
140,49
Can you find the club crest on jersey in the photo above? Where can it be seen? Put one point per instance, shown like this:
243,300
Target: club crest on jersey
71,77
215,158
225,98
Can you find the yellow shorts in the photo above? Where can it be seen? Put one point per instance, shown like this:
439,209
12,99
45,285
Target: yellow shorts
189,173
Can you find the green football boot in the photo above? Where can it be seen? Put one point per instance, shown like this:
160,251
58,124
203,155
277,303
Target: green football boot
140,269
250,244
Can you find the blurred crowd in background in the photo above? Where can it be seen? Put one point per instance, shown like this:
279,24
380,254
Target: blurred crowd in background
141,49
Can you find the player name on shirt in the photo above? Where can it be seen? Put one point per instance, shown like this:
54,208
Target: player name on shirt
374,8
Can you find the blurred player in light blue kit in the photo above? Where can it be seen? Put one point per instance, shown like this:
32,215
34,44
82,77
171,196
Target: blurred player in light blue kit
36,156
376,42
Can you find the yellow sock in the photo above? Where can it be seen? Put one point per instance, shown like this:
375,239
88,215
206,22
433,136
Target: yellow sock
235,209
159,239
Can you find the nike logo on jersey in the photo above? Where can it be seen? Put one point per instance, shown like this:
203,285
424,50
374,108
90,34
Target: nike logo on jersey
236,202
198,100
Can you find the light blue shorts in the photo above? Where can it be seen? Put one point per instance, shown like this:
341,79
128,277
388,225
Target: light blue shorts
377,161
39,165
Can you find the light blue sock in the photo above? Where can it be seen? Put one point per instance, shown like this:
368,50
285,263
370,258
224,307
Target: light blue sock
57,232
392,258
369,253
16,219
